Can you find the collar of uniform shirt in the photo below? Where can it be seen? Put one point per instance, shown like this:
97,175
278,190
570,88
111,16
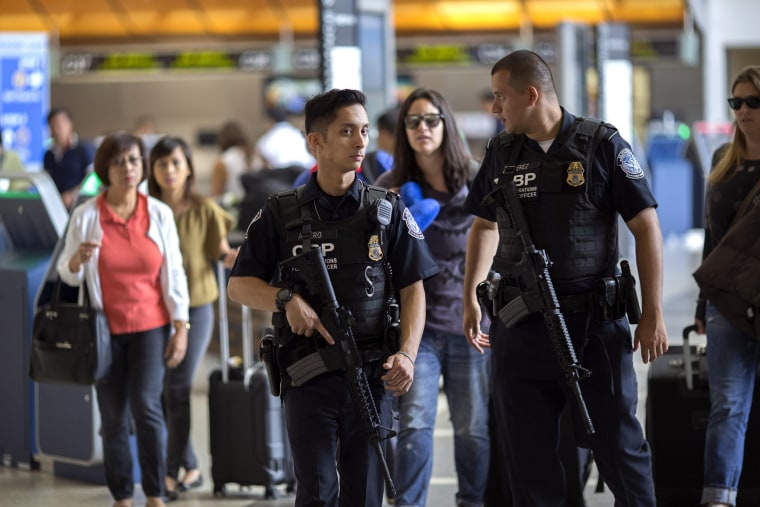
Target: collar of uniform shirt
329,207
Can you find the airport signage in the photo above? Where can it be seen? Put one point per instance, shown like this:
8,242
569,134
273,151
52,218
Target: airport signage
148,61
24,95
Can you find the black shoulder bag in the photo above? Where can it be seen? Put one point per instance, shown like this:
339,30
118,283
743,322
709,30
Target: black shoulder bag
71,343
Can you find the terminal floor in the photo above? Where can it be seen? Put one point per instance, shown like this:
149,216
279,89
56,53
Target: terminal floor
42,488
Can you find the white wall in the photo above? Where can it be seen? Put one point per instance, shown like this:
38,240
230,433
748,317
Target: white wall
725,25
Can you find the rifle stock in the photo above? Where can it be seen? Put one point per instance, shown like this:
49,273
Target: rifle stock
338,322
538,294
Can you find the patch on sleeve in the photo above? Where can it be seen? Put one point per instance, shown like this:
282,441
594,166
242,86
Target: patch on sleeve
411,224
630,166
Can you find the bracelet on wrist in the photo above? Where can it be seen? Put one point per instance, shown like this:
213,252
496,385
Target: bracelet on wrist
406,355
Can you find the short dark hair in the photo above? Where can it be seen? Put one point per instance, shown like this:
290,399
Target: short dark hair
111,147
526,68
387,121
322,109
55,111
163,148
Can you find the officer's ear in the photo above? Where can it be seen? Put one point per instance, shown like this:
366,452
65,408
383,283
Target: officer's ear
315,142
533,94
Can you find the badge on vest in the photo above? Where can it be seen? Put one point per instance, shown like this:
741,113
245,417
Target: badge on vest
375,252
575,173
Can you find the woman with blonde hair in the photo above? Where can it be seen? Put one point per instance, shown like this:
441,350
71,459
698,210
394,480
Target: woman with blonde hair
734,354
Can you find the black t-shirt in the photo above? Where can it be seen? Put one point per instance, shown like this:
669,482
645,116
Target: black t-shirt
725,197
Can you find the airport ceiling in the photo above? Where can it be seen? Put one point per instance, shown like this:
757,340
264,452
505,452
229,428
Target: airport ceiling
123,20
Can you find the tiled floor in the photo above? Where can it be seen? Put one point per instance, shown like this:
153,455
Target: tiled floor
42,488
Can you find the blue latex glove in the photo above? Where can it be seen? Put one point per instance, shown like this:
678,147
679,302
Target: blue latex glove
423,210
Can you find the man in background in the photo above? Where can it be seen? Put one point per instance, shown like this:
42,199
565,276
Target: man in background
69,159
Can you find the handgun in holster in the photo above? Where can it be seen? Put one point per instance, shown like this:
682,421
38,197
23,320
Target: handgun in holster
487,293
268,354
616,296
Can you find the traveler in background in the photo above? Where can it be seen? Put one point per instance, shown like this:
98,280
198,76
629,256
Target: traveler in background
430,154
9,160
375,162
203,227
323,427
145,129
235,158
734,354
124,244
571,188
283,145
380,160
69,158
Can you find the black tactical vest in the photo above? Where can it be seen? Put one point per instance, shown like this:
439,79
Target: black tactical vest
354,252
580,239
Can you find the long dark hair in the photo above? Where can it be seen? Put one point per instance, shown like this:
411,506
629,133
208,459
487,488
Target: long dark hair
163,148
456,157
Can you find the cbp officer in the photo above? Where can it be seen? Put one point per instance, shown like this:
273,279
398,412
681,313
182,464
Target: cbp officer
372,263
573,177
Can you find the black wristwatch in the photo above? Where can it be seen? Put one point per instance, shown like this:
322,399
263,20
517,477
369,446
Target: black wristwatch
282,297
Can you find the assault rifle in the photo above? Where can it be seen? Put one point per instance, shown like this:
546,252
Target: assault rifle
339,323
531,274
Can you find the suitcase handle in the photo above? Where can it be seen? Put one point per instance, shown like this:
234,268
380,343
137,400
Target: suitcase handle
687,356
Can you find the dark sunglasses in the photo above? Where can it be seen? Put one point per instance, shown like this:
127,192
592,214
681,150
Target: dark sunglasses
752,102
431,120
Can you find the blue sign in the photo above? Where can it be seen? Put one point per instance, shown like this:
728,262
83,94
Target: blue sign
24,95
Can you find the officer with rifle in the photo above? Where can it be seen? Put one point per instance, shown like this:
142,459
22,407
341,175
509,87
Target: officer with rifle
547,200
341,263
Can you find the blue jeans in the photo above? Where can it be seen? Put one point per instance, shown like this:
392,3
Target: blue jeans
133,385
178,383
465,374
732,359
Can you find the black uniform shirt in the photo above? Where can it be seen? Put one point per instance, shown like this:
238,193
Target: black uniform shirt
265,245
619,182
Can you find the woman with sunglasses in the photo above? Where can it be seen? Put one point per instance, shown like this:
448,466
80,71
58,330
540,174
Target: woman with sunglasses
734,354
432,163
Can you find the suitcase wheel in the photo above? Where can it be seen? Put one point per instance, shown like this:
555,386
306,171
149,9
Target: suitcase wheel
291,487
220,490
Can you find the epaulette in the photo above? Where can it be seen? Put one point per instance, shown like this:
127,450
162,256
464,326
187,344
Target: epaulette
503,139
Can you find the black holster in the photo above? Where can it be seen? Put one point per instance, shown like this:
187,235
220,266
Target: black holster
268,354
616,297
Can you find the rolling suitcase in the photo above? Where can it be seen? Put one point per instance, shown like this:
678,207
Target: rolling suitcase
677,410
248,441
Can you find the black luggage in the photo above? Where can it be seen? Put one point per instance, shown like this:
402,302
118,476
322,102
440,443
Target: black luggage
246,423
677,410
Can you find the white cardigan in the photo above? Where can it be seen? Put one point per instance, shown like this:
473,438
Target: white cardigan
84,225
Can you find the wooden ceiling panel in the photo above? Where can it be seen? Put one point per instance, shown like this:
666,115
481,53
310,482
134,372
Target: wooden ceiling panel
118,19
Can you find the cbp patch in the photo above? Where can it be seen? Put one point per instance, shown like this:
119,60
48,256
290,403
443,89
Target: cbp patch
411,224
630,166
575,176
